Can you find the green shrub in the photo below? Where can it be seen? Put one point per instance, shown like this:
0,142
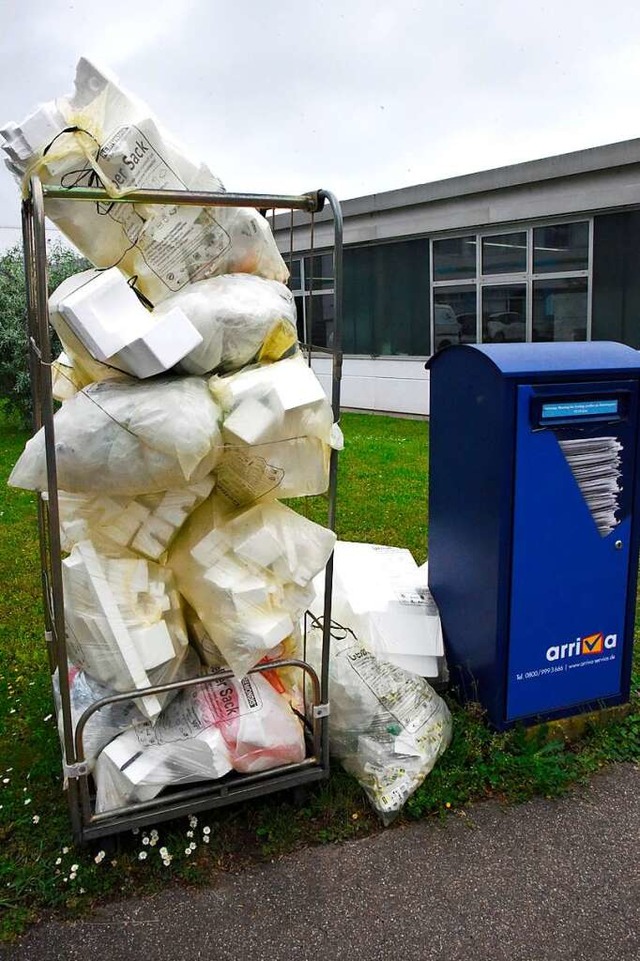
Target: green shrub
15,389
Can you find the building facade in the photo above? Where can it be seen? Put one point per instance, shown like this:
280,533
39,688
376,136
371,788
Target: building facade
540,251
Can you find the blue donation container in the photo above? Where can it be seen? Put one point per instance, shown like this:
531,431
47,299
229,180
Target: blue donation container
533,532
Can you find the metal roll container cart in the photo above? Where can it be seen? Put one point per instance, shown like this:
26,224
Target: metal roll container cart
87,824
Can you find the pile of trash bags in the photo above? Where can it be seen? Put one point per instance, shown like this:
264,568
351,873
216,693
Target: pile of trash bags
186,414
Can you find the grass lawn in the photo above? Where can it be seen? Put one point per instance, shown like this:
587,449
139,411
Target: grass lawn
383,499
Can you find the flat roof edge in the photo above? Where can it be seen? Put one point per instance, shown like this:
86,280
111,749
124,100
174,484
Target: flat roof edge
575,163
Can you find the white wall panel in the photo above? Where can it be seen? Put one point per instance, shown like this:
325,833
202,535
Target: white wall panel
379,384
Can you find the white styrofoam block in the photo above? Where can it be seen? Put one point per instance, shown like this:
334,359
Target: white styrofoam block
270,629
422,665
116,650
297,385
159,528
124,525
210,549
104,313
145,544
154,644
127,575
227,572
243,587
141,768
42,126
159,348
258,547
382,593
175,506
34,133
251,593
249,423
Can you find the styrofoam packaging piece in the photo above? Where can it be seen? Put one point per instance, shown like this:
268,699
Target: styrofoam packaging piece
128,438
292,381
223,562
105,314
256,545
250,422
422,665
123,627
110,137
297,385
109,654
241,317
278,431
141,775
39,127
114,523
101,310
384,596
154,644
160,348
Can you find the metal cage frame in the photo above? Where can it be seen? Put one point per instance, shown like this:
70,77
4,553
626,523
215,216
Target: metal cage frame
86,823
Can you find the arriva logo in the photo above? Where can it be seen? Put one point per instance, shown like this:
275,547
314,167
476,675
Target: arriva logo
591,644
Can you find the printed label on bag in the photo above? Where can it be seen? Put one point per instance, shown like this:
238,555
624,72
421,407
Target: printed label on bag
130,161
399,694
179,244
394,797
198,708
243,477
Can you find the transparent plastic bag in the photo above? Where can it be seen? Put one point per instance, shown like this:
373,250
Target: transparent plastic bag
244,724
128,437
241,318
278,431
248,574
113,719
105,724
145,525
388,727
284,678
124,622
103,136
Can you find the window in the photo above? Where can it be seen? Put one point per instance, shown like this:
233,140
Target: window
504,254
503,313
531,284
454,259
312,285
561,247
386,299
560,309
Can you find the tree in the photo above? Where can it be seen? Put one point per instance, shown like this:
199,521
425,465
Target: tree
15,388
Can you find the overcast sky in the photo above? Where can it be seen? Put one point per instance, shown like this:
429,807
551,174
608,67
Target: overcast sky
353,95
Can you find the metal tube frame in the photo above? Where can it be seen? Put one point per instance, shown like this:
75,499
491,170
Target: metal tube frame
86,824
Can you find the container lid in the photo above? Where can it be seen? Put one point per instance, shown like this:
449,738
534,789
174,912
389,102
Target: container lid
516,360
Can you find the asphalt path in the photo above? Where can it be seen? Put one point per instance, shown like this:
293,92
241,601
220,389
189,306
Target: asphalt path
542,881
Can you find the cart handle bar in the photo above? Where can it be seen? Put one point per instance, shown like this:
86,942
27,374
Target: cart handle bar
312,202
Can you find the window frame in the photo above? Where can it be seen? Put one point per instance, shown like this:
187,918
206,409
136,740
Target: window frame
528,277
